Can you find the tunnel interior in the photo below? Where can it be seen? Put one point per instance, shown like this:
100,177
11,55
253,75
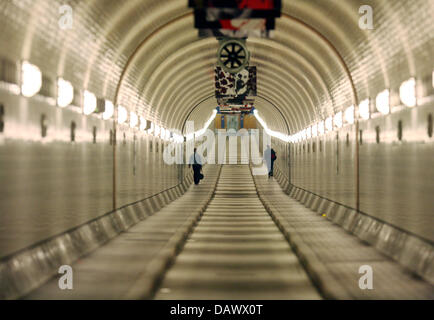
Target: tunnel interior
348,106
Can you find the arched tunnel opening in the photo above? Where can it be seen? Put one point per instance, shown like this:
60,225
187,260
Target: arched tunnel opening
218,149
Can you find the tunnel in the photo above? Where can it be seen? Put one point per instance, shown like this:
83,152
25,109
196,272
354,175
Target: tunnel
216,149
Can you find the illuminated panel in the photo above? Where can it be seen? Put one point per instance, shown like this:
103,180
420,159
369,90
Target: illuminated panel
31,79
329,124
122,114
65,93
407,92
337,120
89,102
349,115
382,102
109,110
364,109
143,124
134,119
321,127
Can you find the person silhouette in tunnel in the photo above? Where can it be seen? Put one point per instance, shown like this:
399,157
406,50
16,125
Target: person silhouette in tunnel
270,157
196,161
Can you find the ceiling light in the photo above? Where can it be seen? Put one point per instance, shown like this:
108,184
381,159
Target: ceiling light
151,129
157,130
122,114
89,102
31,79
337,120
134,119
308,132
329,124
321,128
143,124
65,93
364,109
349,115
382,102
109,110
315,130
407,92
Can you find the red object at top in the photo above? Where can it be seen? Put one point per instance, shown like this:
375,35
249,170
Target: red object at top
227,24
240,4
256,4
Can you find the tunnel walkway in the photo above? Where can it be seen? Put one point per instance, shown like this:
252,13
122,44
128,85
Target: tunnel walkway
235,236
129,265
333,256
103,102
236,251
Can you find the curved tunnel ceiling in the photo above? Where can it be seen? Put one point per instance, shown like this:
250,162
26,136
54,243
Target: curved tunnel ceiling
146,55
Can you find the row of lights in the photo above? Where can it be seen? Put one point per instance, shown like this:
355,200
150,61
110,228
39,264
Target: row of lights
32,83
407,93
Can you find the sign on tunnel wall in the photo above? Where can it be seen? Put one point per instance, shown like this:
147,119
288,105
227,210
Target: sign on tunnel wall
240,4
235,18
235,86
243,121
242,22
